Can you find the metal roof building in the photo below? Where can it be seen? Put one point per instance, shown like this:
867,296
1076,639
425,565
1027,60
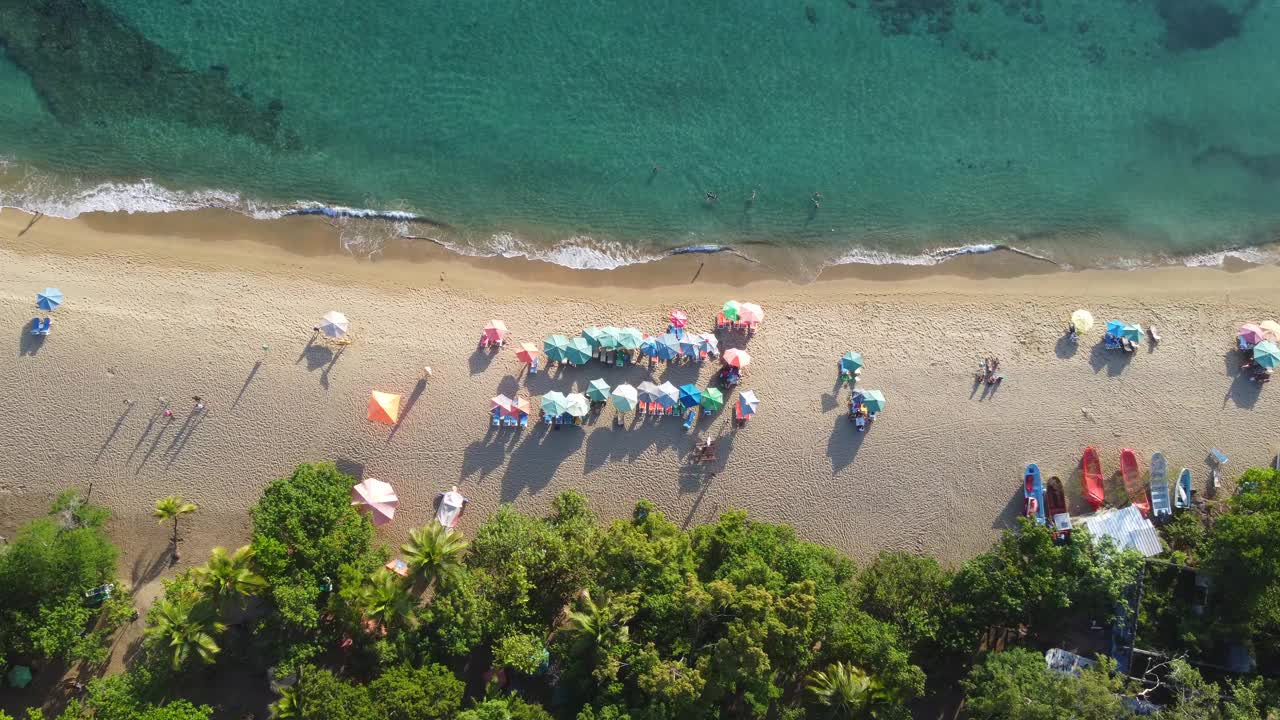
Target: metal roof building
1128,528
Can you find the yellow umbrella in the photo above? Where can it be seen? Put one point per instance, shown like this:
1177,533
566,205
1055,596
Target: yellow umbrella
384,407
1082,320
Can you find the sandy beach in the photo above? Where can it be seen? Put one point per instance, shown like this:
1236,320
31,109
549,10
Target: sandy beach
179,305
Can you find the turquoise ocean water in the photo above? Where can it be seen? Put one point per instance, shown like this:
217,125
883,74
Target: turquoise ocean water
1084,130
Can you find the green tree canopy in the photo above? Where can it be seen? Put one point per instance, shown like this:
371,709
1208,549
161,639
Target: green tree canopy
1018,685
430,692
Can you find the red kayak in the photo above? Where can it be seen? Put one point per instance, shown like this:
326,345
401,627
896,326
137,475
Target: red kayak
1133,481
1091,478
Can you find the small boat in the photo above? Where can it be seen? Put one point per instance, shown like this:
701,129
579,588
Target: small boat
1160,507
1091,478
1033,494
1182,492
1133,481
1056,506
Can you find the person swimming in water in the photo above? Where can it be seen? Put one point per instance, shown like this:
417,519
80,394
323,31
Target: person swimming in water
817,200
712,196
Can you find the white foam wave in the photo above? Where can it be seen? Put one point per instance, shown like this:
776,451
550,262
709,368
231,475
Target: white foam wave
136,197
580,252
1257,256
876,257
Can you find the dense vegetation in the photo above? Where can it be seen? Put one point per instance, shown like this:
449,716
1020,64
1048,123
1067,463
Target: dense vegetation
561,616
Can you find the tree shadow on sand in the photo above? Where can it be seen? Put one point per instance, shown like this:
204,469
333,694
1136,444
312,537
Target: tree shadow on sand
613,443
1244,391
537,457
1008,517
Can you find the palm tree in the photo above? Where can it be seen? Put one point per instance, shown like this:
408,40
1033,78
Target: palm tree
596,626
229,575
172,508
288,706
845,691
384,600
434,554
187,629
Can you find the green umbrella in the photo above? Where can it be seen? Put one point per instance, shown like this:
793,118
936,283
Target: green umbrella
730,310
625,398
578,352
872,399
1266,354
851,362
554,347
610,337
598,390
592,335
712,399
554,403
630,338
20,676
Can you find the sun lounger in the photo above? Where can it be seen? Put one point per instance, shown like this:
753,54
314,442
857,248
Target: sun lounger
621,359
860,423
688,420
533,368
641,409
496,420
35,326
1218,456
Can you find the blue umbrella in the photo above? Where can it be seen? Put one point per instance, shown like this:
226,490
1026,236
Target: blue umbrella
668,347
49,299
851,362
649,348
668,395
1114,328
691,345
1124,331
690,395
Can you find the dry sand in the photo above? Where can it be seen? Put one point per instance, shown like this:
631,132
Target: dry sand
181,305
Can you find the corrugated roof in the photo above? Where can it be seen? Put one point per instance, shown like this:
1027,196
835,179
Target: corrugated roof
1128,528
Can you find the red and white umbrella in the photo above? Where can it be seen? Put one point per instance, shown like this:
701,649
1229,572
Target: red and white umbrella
737,358
376,497
527,353
750,313
679,318
503,403
495,331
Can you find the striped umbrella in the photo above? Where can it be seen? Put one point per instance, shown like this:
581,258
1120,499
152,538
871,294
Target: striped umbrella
679,318
712,399
598,390
625,398
554,347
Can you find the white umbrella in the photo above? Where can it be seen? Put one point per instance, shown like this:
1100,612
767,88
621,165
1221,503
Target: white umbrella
668,395
334,324
748,403
450,507
378,498
625,398
577,405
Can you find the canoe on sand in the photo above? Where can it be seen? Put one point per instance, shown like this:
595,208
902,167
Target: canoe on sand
1033,494
1091,478
1133,481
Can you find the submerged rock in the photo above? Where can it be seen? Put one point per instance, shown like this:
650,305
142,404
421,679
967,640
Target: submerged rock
1200,24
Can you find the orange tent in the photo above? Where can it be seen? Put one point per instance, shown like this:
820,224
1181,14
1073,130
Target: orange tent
384,407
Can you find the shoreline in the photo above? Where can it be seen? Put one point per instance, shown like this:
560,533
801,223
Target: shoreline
176,305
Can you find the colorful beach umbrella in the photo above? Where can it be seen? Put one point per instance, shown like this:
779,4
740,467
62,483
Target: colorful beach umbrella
501,402
731,310
625,398
49,299
519,406
577,405
495,331
19,676
851,362
873,400
648,392
377,498
630,338
598,390
1124,330
1082,321
668,395
1251,334
610,337
649,347
578,352
708,343
690,345
679,318
738,357
384,407
554,403
1271,329
712,399
1266,354
690,395
750,313
555,347
592,336
527,353
334,325
748,403
668,347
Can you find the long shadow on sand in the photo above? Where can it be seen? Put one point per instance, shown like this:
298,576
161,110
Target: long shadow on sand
486,455
182,437
1008,517
845,442
1244,391
616,444
537,457
1115,361
481,359
408,407
247,382
29,344
322,358
115,430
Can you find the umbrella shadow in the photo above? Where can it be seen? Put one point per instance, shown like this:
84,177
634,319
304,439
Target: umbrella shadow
536,458
1244,391
831,400
488,454
1065,347
613,443
247,381
307,349
845,442
29,344
481,359
407,407
1115,361
115,429
509,386
333,360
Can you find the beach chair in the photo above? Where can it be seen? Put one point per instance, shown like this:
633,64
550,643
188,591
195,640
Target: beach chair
688,420
44,327
533,367
860,423
621,359
1218,456
35,326
497,421
641,409
524,421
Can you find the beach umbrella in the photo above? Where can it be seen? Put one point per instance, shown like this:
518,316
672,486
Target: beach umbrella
610,337
668,395
630,338
750,313
334,324
1114,327
648,392
554,403
577,405
1266,354
851,362
690,345
451,504
649,347
503,403
1271,329
690,395
554,347
708,343
376,497
49,299
730,310
598,390
19,676
578,352
668,346
712,399
519,406
495,331
872,399
748,403
1251,334
1082,321
679,318
1132,333
384,407
527,353
625,398
738,358
592,336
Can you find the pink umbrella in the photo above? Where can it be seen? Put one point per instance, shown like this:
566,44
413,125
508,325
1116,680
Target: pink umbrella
495,331
518,407
750,313
527,353
1251,334
378,498
679,318
737,358
503,403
